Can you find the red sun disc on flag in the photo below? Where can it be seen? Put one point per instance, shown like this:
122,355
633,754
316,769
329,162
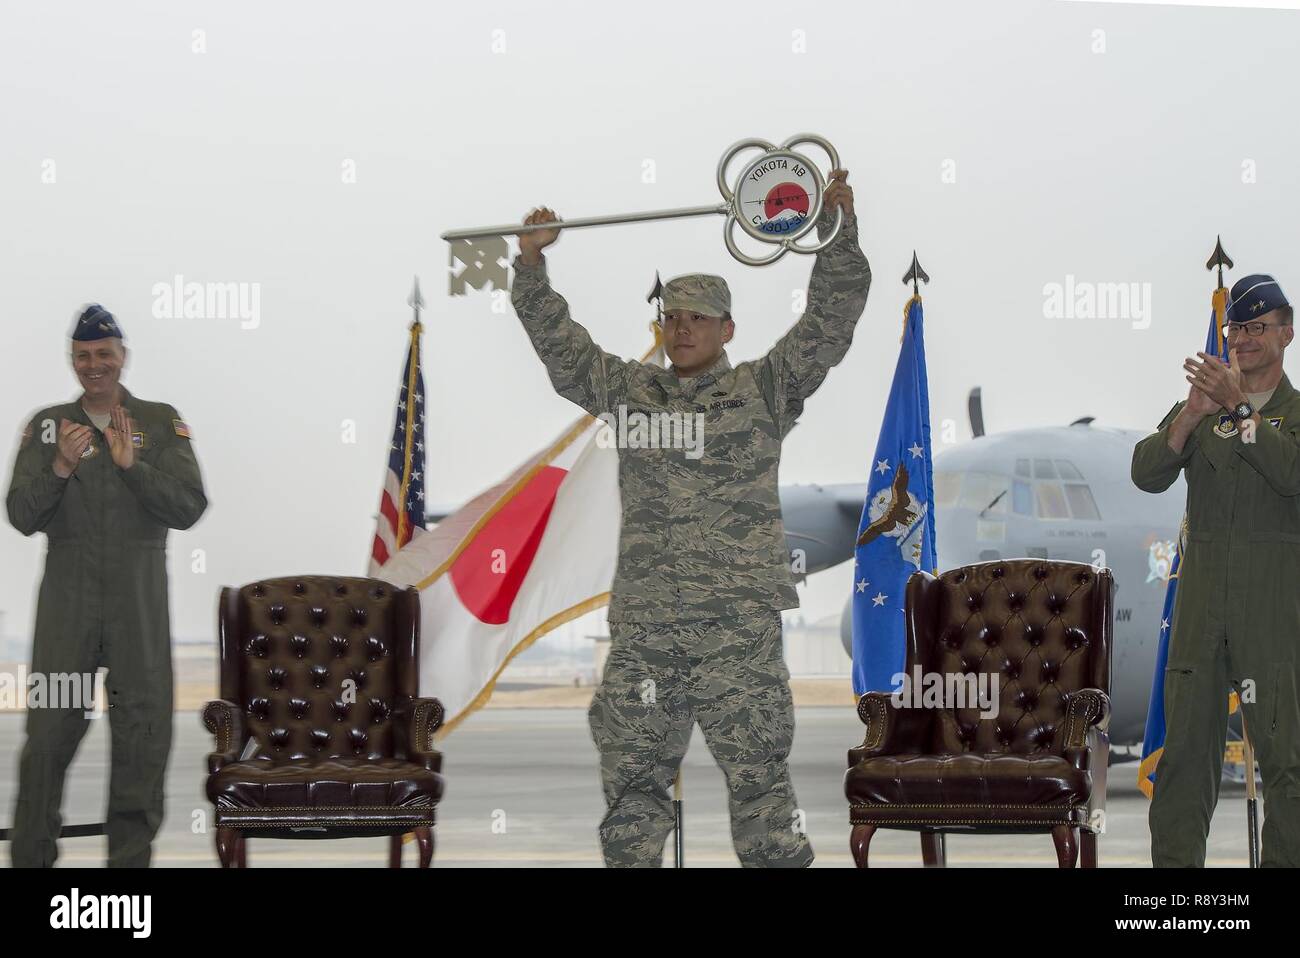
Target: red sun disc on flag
488,573
786,198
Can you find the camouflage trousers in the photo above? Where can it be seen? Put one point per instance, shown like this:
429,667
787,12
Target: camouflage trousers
730,676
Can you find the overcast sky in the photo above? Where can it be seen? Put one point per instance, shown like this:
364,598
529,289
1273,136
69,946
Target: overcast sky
1012,144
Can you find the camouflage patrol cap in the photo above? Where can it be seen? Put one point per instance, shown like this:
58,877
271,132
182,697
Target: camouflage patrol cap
700,293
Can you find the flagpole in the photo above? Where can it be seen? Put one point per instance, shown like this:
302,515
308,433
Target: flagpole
656,296
1252,802
416,301
679,843
1219,259
914,275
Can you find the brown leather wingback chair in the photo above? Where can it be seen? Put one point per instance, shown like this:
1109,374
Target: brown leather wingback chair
320,733
1043,629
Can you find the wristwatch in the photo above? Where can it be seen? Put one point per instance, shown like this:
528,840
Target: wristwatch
1242,411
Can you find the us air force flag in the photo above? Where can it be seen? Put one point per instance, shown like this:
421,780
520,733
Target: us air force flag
896,532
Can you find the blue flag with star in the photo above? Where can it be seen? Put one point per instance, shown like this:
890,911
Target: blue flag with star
896,532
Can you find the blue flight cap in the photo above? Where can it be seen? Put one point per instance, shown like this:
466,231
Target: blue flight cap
1253,296
95,322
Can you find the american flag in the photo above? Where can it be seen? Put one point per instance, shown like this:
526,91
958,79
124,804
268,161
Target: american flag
401,507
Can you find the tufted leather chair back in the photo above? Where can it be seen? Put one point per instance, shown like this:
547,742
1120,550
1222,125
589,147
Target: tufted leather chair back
1042,628
294,649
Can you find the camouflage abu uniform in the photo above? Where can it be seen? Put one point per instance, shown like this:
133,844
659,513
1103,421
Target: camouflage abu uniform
703,570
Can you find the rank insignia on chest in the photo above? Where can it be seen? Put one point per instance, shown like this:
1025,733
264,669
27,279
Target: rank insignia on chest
1226,427
138,440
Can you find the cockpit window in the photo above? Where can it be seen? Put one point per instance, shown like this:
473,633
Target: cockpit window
1043,469
995,494
1022,468
1051,501
947,486
1067,470
983,491
1022,500
1082,505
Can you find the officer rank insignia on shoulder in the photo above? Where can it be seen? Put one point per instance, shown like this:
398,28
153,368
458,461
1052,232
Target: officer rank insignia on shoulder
1226,427
182,430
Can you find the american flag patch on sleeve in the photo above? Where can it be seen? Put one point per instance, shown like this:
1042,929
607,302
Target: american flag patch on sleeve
181,429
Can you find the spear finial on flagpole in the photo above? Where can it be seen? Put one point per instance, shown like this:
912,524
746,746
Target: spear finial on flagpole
657,293
1219,258
415,300
915,274
656,296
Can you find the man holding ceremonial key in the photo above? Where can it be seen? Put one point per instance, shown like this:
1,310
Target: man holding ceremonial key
703,572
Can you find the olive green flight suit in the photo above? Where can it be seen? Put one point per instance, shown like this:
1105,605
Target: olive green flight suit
1236,623
103,602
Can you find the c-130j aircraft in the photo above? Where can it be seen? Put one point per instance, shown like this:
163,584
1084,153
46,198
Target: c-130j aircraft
1061,492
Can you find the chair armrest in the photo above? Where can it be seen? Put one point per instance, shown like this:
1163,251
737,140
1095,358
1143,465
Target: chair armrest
890,730
1088,709
224,720
413,730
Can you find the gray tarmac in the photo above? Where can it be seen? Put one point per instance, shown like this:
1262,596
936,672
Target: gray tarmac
523,791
